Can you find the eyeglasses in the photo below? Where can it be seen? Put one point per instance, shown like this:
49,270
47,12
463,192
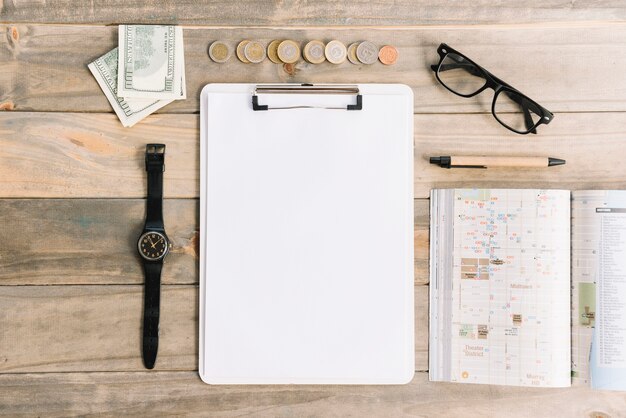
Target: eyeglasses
510,107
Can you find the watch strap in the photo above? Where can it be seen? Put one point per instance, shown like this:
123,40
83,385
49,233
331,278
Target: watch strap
152,301
155,166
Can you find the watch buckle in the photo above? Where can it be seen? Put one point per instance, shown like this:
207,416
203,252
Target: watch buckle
155,156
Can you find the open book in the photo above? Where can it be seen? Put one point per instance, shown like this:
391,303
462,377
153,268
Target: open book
527,290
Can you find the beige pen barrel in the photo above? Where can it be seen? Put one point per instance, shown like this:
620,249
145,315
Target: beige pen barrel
499,161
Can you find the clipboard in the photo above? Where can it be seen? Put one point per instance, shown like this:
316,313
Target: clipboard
306,234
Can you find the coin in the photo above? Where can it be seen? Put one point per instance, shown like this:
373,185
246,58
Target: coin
388,55
272,51
288,52
219,51
352,53
314,52
336,52
367,52
254,51
240,51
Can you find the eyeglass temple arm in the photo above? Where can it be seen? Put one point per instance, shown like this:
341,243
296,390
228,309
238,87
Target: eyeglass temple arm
525,105
528,120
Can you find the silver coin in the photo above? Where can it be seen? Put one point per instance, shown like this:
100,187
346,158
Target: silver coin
336,52
367,52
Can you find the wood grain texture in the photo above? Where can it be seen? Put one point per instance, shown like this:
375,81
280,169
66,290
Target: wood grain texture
308,12
91,155
98,328
94,241
82,155
44,67
93,328
183,393
91,241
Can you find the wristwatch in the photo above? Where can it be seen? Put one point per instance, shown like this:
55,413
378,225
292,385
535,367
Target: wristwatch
153,246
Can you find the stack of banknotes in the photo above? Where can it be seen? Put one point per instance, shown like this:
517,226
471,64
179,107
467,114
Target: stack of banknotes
144,73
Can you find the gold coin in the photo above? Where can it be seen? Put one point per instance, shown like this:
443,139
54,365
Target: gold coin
240,51
254,51
314,52
288,52
219,52
352,53
388,55
272,51
335,52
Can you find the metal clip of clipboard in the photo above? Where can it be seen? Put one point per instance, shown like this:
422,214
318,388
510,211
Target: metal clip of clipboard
306,89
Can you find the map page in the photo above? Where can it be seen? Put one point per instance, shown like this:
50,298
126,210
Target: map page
508,287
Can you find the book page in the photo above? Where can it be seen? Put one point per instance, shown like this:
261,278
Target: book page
440,287
511,287
599,288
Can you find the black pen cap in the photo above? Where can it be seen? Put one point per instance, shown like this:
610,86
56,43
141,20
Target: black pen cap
443,161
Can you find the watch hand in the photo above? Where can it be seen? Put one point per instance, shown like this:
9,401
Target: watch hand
160,239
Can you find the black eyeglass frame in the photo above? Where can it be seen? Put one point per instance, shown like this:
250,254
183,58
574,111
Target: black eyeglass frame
498,86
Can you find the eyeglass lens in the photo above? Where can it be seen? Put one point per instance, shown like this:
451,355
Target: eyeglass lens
460,75
516,111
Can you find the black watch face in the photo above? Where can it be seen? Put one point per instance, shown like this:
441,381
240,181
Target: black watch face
153,246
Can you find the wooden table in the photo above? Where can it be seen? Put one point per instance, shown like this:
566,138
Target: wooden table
72,186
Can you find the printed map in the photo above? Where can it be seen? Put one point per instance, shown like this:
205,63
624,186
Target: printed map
510,303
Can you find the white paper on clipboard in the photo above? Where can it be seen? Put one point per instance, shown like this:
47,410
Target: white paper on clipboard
306,226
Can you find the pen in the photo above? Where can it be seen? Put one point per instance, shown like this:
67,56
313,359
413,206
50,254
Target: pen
458,161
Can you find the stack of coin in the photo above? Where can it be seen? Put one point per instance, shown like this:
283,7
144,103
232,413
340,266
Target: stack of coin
219,52
314,52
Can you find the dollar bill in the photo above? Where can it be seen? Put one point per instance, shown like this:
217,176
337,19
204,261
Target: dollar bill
151,62
128,110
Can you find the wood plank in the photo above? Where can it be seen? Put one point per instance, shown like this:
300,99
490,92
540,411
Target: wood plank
91,155
421,243
565,67
86,155
308,12
93,241
93,328
183,393
98,328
